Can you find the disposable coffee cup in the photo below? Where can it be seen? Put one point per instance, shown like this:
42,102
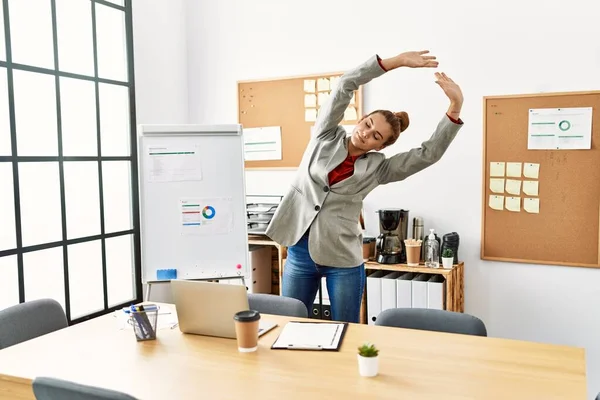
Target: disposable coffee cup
413,254
246,330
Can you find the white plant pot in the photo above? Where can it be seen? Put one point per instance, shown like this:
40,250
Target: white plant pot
447,262
368,366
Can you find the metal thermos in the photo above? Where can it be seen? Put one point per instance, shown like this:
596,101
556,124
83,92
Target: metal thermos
418,233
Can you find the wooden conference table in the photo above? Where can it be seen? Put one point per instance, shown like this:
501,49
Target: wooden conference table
413,365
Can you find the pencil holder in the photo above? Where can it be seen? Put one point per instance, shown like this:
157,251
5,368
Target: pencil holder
144,324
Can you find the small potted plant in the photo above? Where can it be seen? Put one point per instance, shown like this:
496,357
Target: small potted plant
447,258
368,360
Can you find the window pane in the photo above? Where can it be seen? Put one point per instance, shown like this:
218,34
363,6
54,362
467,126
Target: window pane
2,37
35,114
4,115
82,199
31,32
86,292
120,275
116,183
114,120
75,39
9,284
78,112
44,275
40,202
7,208
110,37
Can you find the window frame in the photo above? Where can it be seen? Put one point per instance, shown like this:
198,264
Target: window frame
16,160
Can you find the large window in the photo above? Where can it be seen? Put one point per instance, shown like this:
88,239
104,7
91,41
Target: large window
69,225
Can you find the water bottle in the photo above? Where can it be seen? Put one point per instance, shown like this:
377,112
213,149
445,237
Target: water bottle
432,251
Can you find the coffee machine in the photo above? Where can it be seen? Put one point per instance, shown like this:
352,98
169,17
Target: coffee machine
393,226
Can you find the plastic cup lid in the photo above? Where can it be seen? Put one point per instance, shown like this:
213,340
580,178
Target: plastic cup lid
247,316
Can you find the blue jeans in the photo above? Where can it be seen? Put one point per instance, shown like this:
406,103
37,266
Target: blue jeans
301,277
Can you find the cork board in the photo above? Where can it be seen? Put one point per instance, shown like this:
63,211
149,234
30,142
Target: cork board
291,104
565,231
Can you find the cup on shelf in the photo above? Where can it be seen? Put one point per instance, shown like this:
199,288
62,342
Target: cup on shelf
413,252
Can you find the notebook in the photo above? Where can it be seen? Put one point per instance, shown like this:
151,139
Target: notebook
311,336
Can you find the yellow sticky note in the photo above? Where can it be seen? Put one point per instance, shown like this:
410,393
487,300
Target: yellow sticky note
513,186
531,188
531,170
310,85
333,82
323,97
310,100
513,169
513,204
350,114
531,205
497,185
496,169
496,202
322,84
310,115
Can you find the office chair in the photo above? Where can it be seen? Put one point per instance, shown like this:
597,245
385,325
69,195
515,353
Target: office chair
45,388
278,305
432,320
29,320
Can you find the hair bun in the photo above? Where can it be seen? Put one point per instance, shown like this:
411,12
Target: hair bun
404,121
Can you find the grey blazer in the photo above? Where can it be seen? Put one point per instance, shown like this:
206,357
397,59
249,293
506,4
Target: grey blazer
332,213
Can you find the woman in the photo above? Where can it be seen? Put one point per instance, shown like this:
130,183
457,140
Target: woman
318,217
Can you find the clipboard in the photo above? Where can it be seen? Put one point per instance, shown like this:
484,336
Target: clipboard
304,335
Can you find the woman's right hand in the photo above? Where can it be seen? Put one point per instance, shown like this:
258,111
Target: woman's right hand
411,59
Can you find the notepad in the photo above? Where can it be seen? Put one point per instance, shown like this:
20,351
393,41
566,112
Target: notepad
310,336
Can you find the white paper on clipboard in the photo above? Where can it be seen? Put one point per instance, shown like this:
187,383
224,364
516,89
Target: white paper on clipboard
310,336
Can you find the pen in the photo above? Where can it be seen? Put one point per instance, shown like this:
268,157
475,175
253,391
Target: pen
304,347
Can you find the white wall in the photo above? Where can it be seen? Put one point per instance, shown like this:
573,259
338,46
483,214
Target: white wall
490,48
160,60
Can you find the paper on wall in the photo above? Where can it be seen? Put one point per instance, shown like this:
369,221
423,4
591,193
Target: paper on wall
310,115
513,169
173,164
262,143
560,128
350,114
323,97
323,84
513,186
310,85
531,205
310,100
496,169
205,216
497,185
333,82
531,188
531,170
513,204
496,202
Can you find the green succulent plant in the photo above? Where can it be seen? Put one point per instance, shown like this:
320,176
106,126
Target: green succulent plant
447,253
368,350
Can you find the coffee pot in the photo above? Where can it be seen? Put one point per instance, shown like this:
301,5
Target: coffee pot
393,226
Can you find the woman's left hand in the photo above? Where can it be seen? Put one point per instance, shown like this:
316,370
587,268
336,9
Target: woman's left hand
450,88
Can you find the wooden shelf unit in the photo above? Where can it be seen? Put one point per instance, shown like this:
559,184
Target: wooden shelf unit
278,254
453,283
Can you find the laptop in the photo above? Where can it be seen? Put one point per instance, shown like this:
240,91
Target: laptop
207,308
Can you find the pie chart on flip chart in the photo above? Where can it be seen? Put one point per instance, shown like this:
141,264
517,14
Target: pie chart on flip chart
208,212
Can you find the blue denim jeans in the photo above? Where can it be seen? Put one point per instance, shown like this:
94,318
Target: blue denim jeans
301,277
